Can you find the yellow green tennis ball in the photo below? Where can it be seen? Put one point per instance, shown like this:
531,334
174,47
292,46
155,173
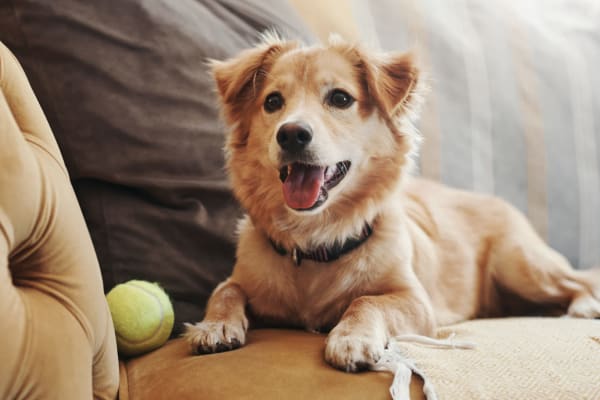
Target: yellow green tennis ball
142,314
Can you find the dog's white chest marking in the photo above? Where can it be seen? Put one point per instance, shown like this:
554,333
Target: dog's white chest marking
313,295
324,291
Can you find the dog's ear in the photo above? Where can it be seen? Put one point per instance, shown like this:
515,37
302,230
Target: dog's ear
240,79
392,81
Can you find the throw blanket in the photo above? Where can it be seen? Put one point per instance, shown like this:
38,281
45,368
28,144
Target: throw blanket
514,358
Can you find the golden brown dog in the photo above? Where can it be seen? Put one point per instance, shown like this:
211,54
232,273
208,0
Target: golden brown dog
338,236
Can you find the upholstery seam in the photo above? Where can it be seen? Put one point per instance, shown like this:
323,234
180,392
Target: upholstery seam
4,232
2,70
40,145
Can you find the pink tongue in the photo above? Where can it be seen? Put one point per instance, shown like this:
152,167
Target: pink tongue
302,186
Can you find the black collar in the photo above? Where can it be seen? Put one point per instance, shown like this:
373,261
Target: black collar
324,253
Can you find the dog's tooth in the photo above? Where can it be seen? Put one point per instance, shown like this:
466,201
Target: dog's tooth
330,173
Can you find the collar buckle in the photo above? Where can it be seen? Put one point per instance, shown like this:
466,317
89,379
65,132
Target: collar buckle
296,256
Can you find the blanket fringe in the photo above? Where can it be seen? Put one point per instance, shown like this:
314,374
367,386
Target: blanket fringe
394,361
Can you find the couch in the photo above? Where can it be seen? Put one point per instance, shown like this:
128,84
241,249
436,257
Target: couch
137,188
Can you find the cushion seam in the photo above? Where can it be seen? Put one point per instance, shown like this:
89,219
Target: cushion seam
39,144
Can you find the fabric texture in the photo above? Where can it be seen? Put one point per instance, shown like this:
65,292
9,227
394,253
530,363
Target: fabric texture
58,340
128,95
514,101
393,360
517,358
274,364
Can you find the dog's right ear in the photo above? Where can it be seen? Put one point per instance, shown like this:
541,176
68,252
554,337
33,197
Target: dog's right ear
394,80
240,79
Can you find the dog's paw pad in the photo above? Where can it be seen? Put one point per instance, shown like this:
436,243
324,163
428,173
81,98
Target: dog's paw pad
362,366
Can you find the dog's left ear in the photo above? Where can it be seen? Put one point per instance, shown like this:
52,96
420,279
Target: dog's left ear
392,80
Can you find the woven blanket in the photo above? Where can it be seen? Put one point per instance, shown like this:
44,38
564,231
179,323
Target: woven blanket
515,358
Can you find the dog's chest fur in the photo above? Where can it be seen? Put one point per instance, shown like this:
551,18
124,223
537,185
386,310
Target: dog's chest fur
313,295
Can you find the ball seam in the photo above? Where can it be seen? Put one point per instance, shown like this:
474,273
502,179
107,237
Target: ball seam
162,318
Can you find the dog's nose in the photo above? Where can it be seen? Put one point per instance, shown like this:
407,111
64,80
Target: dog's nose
293,137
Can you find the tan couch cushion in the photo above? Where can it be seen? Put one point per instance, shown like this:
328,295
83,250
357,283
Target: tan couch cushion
57,336
275,364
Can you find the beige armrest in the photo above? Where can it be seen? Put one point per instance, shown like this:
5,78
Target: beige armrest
57,336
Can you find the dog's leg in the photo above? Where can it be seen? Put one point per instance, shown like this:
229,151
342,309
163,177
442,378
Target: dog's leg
360,337
225,324
522,263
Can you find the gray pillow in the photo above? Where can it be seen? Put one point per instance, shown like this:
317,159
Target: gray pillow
127,93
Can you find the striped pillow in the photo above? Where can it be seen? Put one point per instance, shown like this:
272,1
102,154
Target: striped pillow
515,102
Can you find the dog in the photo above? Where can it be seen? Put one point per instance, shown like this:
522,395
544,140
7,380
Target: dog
339,237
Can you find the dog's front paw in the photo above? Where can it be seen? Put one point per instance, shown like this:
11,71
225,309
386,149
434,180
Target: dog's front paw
353,352
215,336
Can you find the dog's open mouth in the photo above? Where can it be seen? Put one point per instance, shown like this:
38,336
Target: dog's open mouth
305,186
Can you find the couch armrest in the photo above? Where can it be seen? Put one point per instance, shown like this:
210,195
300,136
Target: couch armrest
57,336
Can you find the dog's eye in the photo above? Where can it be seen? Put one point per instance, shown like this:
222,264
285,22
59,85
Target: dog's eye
339,99
273,102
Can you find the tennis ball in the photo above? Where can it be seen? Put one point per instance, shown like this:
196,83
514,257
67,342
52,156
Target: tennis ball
142,314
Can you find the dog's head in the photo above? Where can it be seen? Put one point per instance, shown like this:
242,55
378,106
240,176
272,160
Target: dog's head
319,134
